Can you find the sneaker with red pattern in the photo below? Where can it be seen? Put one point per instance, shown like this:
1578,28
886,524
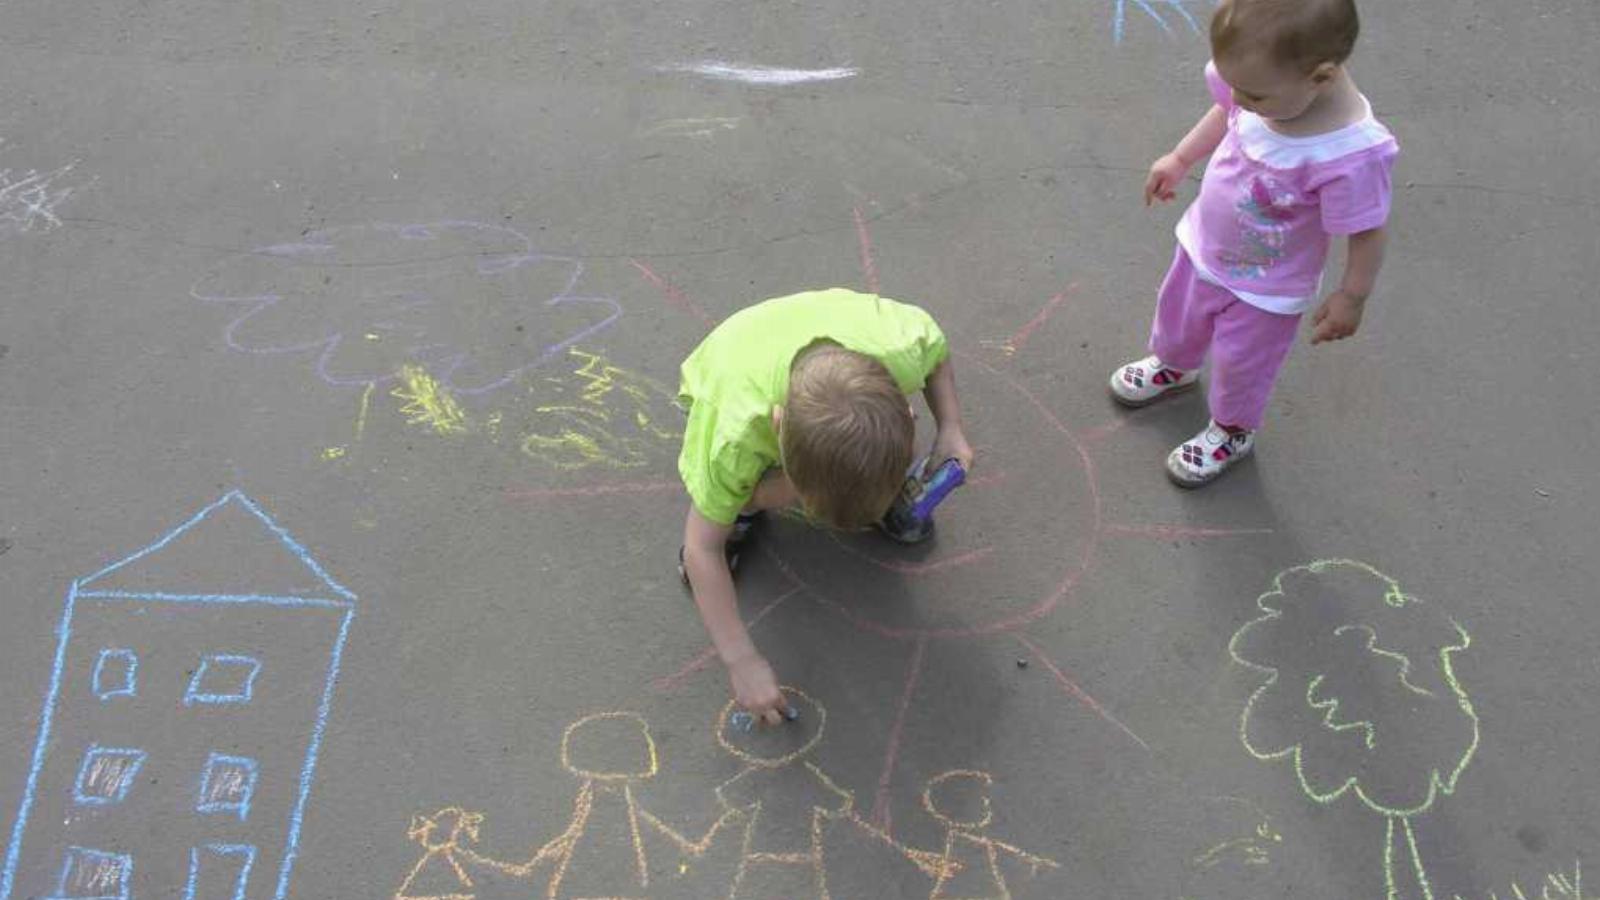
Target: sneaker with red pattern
1208,454
1144,381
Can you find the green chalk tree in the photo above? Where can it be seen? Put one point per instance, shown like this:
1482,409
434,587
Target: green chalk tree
1360,694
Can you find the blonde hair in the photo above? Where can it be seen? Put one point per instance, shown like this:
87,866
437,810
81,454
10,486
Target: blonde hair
846,435
1300,33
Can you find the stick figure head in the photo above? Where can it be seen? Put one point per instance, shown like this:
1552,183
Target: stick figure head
775,746
609,746
452,824
959,798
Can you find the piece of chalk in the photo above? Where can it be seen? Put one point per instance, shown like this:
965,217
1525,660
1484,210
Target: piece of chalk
1022,664
790,713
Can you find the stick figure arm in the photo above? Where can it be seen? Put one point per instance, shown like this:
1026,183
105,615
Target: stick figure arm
1035,862
692,847
932,864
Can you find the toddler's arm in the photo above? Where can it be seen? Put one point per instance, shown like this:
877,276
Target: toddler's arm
754,684
951,440
1340,314
1168,171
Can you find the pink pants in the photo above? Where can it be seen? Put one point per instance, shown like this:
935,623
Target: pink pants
1247,344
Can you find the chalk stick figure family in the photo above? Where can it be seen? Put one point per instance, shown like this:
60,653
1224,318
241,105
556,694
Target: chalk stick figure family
776,811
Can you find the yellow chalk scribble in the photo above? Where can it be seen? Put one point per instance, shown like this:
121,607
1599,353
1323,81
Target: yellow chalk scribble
1555,886
608,416
428,402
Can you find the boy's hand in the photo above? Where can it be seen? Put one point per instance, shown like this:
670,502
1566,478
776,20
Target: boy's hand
1166,174
1337,318
756,688
951,443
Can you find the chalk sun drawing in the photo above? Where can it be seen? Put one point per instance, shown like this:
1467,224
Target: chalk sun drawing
965,588
28,199
474,303
773,814
1359,694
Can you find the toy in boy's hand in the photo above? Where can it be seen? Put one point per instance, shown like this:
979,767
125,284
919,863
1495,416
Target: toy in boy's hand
910,519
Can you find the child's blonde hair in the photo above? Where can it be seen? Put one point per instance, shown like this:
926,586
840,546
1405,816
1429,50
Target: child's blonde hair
846,436
1302,34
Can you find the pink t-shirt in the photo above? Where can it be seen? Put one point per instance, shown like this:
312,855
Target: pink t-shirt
1269,203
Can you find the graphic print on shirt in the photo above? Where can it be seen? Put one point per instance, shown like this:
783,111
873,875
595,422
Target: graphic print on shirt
1264,216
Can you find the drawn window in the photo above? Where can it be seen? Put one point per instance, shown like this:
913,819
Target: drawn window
94,875
227,784
219,872
116,673
106,775
223,678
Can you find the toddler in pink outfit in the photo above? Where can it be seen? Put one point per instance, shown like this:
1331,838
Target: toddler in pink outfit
1296,159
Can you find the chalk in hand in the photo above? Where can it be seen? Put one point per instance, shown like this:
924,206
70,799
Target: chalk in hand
790,714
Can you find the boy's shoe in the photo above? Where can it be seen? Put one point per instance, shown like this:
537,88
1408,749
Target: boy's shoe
1144,381
1207,455
742,525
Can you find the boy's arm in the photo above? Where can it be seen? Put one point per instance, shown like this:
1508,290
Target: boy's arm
755,687
1199,143
1340,314
951,440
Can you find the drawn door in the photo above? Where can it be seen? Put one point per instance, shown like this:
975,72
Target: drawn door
219,872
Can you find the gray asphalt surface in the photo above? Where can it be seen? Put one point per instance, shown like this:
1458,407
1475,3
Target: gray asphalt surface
415,277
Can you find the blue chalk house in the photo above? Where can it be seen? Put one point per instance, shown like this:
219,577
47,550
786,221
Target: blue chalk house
186,706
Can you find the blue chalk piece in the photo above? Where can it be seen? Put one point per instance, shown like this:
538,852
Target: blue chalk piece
791,714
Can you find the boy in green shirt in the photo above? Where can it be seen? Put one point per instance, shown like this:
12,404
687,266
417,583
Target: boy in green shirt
801,400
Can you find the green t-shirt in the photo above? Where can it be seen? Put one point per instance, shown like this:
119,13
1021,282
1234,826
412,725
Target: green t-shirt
740,372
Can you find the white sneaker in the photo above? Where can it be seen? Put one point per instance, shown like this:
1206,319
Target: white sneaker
1207,455
1144,381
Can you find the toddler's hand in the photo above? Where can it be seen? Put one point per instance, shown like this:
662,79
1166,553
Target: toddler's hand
756,688
951,443
1337,318
1166,174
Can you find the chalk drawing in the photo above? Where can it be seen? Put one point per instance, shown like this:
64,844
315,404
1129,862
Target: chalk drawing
589,414
703,128
289,609
1332,634
1152,9
427,402
776,809
116,673
586,858
1253,849
28,200
1558,885
601,415
440,873
473,303
760,76
244,857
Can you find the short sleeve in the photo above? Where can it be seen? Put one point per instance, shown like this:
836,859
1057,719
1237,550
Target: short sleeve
1221,92
1358,191
720,475
922,348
